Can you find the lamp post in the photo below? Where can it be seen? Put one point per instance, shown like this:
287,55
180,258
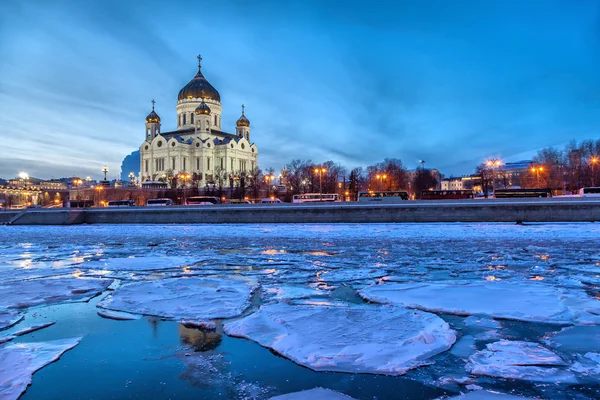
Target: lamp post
320,171
537,171
493,164
381,178
105,170
132,177
594,160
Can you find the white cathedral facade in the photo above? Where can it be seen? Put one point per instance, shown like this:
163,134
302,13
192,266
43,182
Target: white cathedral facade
198,147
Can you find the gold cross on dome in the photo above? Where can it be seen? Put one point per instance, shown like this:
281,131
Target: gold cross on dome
153,104
199,60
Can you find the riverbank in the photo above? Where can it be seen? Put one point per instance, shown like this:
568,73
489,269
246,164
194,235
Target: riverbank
536,210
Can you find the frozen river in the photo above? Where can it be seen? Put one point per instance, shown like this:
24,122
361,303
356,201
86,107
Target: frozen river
382,311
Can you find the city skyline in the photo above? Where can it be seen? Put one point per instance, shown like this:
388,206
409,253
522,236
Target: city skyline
450,84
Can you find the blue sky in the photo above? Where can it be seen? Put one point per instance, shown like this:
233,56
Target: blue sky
450,82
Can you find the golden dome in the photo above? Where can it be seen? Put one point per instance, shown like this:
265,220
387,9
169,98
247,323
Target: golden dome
199,88
153,117
202,108
243,121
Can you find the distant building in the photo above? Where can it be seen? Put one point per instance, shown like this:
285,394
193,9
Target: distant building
199,146
510,174
452,183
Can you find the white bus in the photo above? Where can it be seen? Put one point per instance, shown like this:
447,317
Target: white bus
382,197
202,201
159,202
312,197
589,192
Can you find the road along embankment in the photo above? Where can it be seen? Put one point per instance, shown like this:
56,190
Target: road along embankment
457,211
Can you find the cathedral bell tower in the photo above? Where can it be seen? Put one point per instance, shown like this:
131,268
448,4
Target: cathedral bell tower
152,124
202,118
242,129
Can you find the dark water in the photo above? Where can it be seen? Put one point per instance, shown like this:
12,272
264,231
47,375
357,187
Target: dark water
150,358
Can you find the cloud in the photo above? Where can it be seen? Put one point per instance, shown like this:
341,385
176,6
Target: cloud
452,83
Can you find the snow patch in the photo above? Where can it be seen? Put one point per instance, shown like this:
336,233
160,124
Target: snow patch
21,360
357,338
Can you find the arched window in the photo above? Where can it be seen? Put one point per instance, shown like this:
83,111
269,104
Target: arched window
191,118
216,121
183,119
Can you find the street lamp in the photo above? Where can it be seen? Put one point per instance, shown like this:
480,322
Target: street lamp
381,178
320,171
594,160
537,170
132,177
105,170
493,163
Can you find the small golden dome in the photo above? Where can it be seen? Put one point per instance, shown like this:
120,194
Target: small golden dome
202,109
243,121
153,117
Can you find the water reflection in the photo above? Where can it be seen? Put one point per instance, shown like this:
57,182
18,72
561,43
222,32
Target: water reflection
199,340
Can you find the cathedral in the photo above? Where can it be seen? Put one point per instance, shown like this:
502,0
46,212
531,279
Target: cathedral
199,147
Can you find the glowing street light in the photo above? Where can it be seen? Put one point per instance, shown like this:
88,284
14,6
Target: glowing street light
320,171
381,178
493,164
537,170
132,177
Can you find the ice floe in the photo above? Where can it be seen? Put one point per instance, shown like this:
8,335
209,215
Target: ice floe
288,292
8,318
313,394
137,263
45,291
358,338
576,339
33,328
519,360
21,360
117,315
518,300
184,298
486,395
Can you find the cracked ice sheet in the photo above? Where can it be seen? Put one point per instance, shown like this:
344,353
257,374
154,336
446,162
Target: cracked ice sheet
519,360
22,294
357,339
519,300
313,394
13,273
184,298
21,360
137,264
